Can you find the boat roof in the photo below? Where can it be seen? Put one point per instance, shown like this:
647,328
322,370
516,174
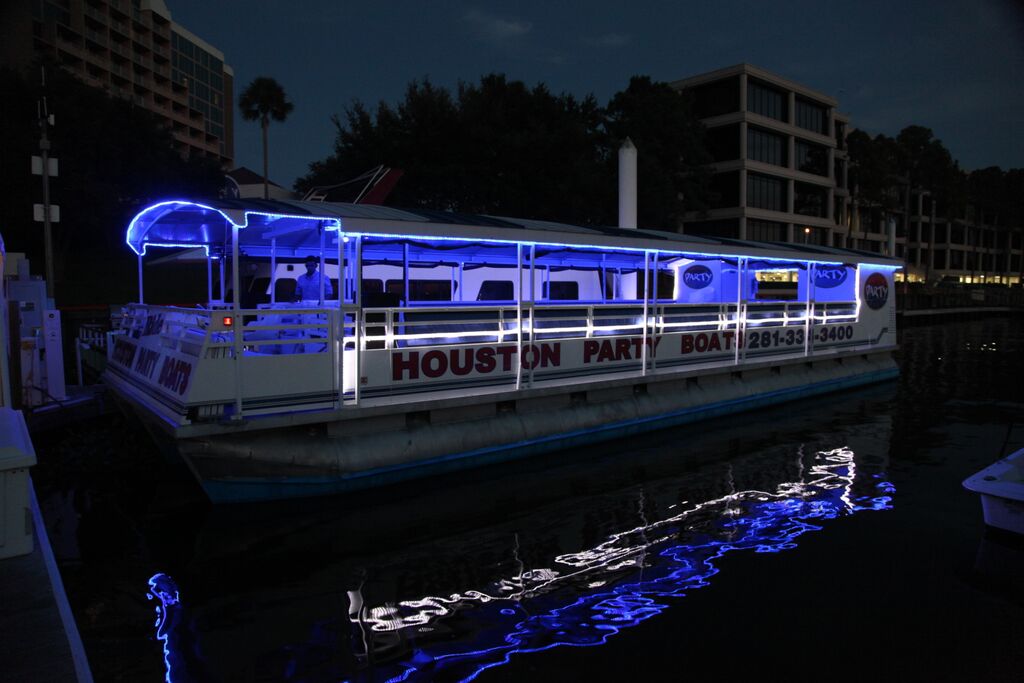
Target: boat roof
294,226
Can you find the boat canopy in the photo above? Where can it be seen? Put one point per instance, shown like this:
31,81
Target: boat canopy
295,228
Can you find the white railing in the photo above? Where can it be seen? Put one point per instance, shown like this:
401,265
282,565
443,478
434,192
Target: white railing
834,312
331,340
389,328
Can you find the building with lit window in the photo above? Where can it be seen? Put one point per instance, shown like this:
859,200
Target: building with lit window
781,175
780,163
972,248
133,50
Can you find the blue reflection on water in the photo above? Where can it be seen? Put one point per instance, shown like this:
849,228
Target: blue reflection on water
163,589
587,597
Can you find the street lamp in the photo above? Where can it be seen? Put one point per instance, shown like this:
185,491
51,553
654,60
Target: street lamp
807,235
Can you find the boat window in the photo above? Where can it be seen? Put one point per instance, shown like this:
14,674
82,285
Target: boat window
496,290
422,290
561,291
666,285
373,286
776,285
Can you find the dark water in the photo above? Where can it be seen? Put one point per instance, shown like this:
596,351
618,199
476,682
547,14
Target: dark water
822,539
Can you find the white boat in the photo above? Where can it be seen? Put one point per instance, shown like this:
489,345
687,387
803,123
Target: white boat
1001,487
462,340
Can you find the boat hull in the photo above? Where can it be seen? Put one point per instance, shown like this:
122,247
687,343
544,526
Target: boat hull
340,455
1001,488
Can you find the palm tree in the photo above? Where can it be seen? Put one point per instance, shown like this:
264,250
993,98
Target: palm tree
262,100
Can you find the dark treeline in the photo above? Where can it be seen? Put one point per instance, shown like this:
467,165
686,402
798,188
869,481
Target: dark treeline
882,166
500,147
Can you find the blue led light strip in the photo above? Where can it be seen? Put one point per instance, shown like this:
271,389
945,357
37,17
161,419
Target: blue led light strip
333,224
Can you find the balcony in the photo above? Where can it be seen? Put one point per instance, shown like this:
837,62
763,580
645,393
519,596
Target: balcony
119,71
95,13
96,37
65,36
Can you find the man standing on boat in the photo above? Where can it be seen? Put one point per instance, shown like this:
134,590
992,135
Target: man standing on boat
307,287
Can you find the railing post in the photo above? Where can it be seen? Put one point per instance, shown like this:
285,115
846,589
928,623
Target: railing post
338,351
273,270
654,332
739,322
237,323
533,306
357,318
519,316
809,312
643,343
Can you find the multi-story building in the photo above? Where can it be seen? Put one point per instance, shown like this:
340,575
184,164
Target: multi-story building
134,50
780,163
781,175
971,248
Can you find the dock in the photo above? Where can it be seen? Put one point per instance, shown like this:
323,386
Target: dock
37,628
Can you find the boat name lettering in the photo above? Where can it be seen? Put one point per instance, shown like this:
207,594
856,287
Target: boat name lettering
698,277
174,375
876,291
827,277
631,348
153,324
483,360
124,353
704,342
710,342
146,362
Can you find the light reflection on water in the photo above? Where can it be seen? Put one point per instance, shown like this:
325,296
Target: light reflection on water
579,598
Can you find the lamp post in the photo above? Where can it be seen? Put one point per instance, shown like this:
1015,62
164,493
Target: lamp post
807,235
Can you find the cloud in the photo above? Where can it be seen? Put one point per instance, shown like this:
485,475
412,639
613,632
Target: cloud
610,40
490,27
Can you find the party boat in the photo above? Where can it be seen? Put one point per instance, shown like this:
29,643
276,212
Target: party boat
454,340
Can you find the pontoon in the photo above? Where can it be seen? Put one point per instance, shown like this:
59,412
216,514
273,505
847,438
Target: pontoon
461,339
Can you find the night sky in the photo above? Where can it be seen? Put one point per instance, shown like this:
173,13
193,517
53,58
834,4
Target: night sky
951,65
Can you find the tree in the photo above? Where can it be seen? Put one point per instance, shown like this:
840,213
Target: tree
495,147
501,147
672,160
875,169
262,100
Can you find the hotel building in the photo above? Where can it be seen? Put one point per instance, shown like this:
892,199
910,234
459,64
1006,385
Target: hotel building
133,50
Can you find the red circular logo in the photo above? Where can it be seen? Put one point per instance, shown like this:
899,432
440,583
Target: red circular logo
876,291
